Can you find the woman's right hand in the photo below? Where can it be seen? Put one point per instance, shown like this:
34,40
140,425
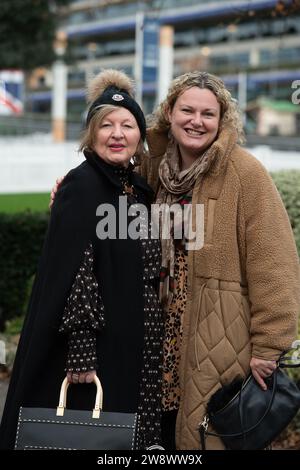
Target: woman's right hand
262,369
54,190
81,377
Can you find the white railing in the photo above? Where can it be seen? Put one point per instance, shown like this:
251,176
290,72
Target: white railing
32,164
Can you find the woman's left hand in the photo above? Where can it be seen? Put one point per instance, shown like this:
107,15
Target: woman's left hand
261,369
81,377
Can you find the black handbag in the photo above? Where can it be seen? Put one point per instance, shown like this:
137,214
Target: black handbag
252,417
64,429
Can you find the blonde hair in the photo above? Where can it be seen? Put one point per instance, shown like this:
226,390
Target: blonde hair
230,113
88,138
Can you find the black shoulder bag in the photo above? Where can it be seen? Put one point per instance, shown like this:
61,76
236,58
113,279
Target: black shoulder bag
252,417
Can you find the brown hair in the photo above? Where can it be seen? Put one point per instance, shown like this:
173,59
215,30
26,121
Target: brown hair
230,113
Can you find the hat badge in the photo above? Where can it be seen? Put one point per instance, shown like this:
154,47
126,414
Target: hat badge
117,97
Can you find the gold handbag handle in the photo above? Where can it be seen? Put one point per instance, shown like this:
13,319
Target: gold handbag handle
63,398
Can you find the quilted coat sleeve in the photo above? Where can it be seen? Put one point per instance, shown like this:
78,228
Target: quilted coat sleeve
272,263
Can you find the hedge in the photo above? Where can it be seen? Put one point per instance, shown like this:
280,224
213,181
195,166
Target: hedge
288,184
21,238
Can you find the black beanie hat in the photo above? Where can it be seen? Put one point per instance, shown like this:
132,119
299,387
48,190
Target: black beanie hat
119,97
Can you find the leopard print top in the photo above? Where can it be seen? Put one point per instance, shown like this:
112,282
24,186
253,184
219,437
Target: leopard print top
173,334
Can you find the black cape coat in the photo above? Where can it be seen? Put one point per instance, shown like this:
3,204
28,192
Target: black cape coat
41,356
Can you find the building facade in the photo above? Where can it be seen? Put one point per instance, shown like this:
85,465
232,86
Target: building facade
253,45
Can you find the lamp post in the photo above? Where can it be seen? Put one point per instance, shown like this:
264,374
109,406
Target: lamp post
138,61
166,60
59,89
242,95
91,55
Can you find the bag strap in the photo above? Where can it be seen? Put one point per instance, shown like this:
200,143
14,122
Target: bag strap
63,398
204,425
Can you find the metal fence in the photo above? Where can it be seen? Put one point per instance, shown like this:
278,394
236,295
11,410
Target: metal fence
30,124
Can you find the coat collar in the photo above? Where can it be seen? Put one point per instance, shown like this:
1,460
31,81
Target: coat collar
115,173
223,146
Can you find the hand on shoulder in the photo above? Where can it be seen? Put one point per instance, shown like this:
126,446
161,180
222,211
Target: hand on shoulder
55,189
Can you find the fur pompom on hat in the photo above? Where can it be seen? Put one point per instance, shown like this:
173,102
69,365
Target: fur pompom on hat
116,88
107,78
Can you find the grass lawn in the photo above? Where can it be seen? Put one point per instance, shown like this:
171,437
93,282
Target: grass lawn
10,203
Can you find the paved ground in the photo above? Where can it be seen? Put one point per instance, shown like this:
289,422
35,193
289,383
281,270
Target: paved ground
3,391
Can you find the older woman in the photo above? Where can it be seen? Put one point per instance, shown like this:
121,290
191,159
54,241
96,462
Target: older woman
94,305
232,305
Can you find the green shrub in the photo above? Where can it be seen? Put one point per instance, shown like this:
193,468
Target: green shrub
295,374
288,185
21,238
14,327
